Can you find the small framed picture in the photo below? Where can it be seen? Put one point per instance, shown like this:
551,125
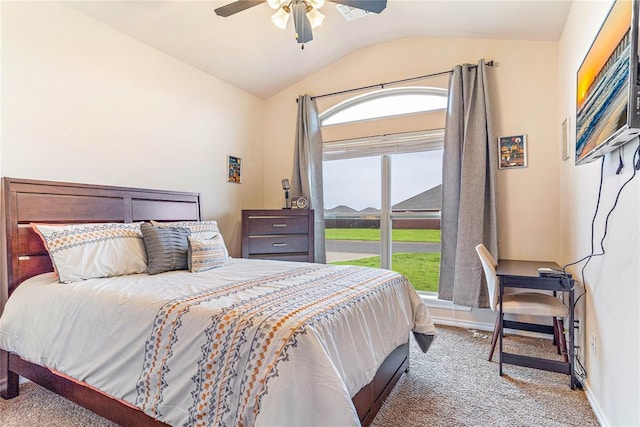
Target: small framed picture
234,169
512,151
564,139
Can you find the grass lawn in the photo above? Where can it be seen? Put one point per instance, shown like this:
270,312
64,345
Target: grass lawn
398,235
422,269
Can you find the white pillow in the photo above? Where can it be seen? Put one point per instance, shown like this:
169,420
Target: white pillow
202,230
85,251
205,254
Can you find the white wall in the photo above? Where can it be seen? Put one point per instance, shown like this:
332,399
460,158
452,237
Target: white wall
525,76
84,103
545,209
525,87
81,102
1,174
612,300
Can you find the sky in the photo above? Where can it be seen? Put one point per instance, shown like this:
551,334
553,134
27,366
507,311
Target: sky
356,182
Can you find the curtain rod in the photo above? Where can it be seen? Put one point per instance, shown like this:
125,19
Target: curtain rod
382,85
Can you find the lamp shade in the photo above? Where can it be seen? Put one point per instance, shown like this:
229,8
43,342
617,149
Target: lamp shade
275,4
315,18
280,18
317,4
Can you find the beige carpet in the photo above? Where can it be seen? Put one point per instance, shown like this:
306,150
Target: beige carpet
452,385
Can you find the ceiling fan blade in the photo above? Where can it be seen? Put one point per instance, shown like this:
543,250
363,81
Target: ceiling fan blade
301,22
375,6
236,6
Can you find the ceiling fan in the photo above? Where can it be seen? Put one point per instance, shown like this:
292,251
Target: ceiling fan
305,12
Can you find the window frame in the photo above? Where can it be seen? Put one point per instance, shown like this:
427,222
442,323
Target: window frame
427,91
425,140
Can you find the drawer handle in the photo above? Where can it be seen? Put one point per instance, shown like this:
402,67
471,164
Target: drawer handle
278,245
279,225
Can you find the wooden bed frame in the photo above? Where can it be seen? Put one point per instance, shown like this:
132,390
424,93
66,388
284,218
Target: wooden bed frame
22,255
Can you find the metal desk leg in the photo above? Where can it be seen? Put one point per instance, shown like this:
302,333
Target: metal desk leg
571,334
500,324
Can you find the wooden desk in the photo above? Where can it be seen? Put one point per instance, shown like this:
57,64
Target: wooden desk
524,274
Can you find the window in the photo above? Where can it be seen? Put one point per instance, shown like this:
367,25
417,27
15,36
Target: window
383,193
386,103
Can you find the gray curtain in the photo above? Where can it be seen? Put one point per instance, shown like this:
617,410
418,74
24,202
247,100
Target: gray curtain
307,168
469,205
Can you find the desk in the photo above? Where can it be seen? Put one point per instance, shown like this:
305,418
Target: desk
524,274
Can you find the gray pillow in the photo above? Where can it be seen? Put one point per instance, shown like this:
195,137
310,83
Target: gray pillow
166,248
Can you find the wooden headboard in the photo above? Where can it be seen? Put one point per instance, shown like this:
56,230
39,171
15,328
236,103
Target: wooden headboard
23,254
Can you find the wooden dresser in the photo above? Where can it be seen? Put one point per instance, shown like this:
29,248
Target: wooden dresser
278,234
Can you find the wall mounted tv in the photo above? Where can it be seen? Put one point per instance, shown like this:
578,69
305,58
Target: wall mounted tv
608,90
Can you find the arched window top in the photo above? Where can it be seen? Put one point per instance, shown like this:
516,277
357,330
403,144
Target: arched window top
386,103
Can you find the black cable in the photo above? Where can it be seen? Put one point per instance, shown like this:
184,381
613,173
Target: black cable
636,159
636,155
582,368
636,162
579,368
620,164
576,355
593,220
575,301
636,168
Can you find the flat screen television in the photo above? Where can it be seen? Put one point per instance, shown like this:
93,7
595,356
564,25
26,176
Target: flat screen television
608,91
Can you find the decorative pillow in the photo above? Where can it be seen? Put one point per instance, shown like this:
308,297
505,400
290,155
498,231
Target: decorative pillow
85,251
205,254
166,248
203,230
200,229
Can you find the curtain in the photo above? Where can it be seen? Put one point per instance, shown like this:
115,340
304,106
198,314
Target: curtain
469,205
307,168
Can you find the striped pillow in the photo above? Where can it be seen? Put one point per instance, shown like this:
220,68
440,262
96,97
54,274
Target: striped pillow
202,230
205,254
85,251
166,248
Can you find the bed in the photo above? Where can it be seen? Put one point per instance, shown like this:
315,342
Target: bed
323,371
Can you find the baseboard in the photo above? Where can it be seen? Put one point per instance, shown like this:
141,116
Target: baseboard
447,321
594,405
483,326
430,299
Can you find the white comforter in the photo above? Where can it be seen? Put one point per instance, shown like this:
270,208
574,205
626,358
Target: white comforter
203,349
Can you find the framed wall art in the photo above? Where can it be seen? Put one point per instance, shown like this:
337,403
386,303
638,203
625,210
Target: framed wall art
512,151
234,169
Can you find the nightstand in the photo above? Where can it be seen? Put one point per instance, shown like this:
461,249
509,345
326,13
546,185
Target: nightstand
278,234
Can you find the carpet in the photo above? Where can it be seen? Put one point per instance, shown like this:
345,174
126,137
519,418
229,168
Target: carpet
451,385
454,385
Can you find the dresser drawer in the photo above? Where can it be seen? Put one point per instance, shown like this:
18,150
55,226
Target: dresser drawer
283,257
261,225
278,244
278,234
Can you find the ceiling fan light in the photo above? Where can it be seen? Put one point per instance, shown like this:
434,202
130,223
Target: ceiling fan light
280,18
315,18
275,4
317,4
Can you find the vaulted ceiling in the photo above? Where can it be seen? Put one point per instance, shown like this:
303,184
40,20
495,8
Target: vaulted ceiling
249,52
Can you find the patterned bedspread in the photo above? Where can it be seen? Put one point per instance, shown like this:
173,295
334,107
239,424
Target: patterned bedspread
251,343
